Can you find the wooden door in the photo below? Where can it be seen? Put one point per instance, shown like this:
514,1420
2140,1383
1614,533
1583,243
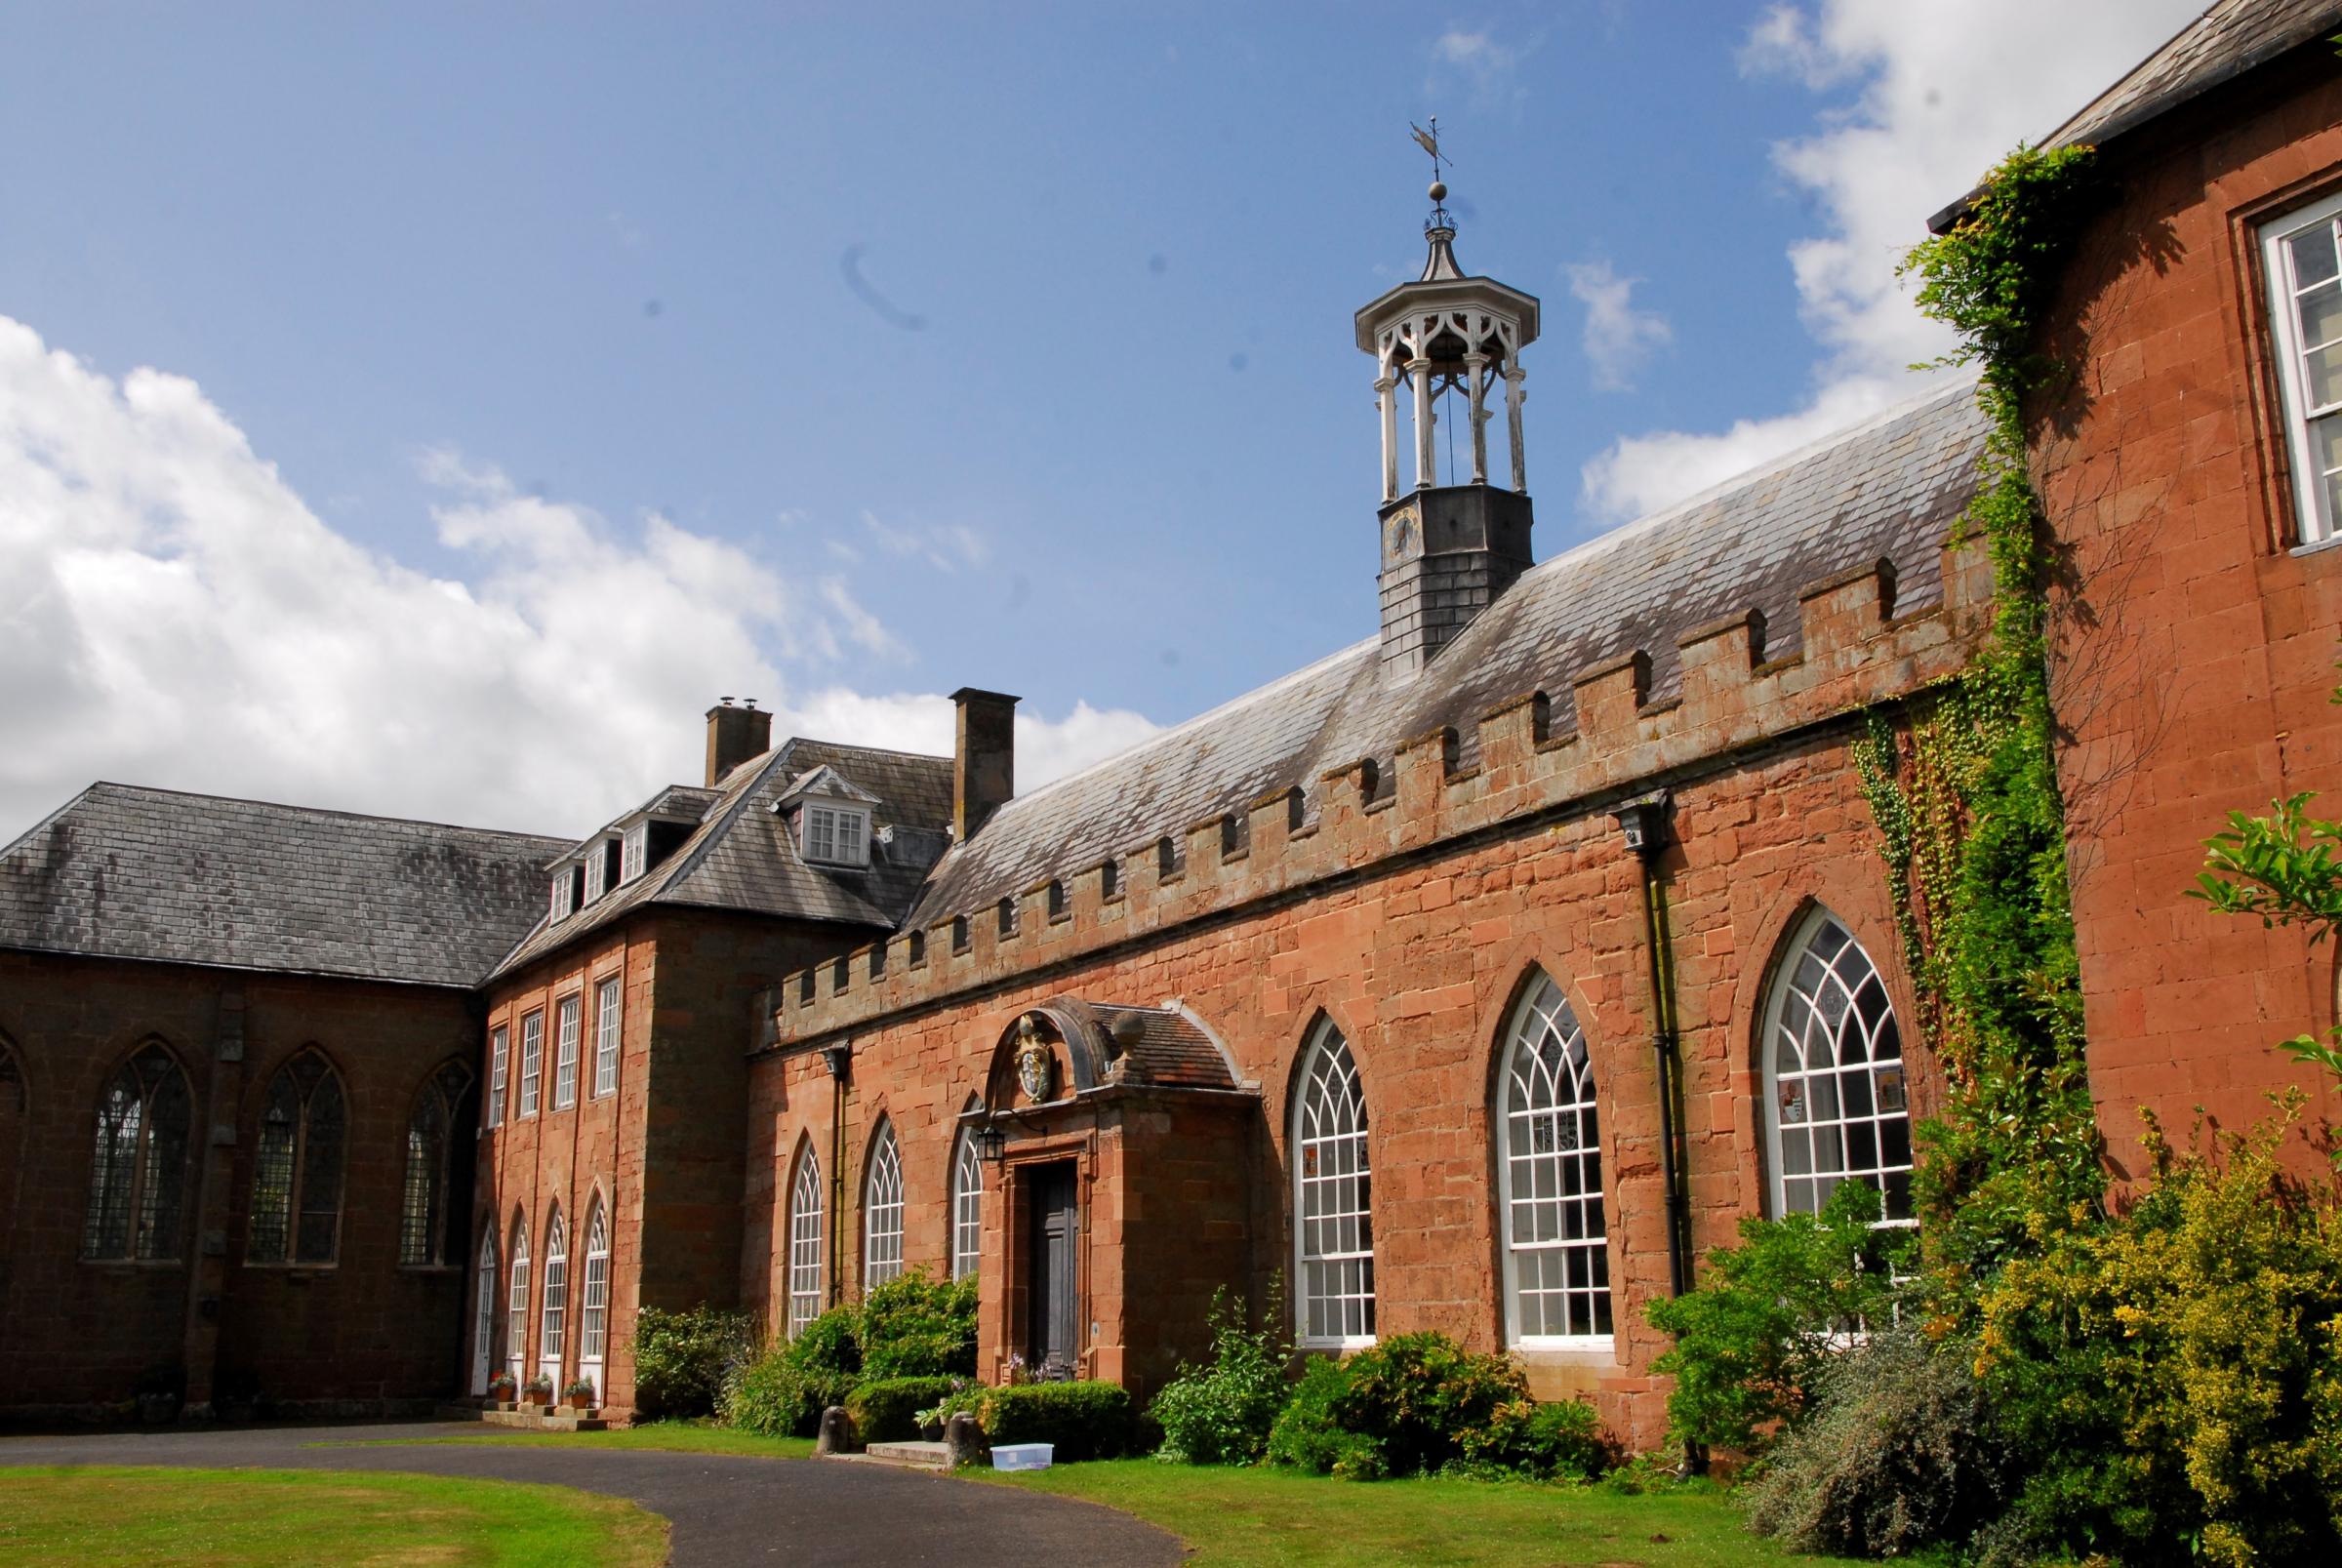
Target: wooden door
1052,1335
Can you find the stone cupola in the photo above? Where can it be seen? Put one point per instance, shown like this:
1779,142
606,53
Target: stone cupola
1453,543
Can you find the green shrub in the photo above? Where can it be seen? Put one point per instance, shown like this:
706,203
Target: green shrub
1899,1452
1305,1434
1562,1440
915,1326
1221,1412
886,1410
684,1360
1769,1315
2172,1379
1083,1420
1416,1395
830,1345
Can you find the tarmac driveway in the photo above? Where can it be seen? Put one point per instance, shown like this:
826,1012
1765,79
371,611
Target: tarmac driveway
726,1509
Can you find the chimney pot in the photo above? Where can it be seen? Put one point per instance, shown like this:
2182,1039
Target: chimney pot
984,758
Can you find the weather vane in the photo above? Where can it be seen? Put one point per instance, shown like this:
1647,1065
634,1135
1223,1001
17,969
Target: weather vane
1429,142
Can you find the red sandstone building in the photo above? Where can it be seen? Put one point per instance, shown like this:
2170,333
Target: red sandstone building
1477,977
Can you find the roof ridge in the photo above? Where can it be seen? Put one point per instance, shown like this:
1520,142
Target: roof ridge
307,811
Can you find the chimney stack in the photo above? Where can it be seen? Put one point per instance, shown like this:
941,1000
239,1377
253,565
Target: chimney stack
984,758
735,735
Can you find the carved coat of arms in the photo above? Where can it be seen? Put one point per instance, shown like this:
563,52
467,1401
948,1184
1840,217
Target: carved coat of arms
1036,1062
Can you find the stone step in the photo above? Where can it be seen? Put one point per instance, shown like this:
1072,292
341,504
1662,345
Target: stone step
526,1417
920,1456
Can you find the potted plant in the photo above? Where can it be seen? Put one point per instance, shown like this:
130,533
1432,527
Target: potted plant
578,1395
502,1390
540,1390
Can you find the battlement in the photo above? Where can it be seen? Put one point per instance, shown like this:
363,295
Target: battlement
1531,753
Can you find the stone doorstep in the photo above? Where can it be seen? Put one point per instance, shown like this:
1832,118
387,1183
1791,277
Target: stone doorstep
527,1418
916,1455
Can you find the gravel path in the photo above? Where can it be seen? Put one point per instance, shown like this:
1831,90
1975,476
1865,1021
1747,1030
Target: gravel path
726,1509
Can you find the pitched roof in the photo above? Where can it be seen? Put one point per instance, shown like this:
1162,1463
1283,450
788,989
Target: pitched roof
122,871
743,857
1887,489
2229,38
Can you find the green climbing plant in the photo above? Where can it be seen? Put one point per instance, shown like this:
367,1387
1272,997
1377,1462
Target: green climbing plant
1963,781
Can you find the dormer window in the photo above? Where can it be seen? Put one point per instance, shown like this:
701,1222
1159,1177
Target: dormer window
836,835
598,866
635,856
565,892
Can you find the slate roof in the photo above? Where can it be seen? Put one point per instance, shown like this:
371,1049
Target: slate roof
2229,38
743,857
1889,489
122,871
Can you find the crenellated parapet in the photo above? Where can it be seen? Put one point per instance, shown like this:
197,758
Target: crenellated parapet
1532,755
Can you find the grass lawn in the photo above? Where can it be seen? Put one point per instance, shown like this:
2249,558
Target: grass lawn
107,1516
1237,1517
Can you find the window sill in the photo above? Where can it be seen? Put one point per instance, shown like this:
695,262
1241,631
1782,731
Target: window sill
134,1262
2317,546
1570,1347
288,1266
1305,1343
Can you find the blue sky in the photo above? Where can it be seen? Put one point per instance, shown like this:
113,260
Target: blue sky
842,355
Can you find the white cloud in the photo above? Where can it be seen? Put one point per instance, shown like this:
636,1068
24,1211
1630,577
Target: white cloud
1488,69
1046,749
946,547
1618,339
173,612
1944,89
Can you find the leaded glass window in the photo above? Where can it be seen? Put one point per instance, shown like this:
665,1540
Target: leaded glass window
552,1320
297,1166
430,1220
1835,1100
137,1180
1556,1245
882,1211
805,1243
1333,1198
967,1210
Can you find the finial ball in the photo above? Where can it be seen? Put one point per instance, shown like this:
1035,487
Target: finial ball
1438,190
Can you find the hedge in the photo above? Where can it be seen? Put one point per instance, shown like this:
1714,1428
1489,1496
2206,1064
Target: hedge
886,1410
1082,1420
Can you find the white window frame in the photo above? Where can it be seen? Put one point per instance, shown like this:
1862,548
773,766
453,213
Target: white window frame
500,1062
532,1061
593,1299
483,1323
633,852
1553,1105
565,883
806,1254
1329,1147
967,1209
597,869
565,1052
835,836
517,1309
2314,487
1792,987
882,1211
607,1007
553,1313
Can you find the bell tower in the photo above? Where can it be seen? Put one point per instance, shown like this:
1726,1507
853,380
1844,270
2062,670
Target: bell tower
1454,542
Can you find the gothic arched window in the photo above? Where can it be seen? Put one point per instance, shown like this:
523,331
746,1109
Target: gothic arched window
483,1325
593,1299
554,1321
297,1169
967,1209
805,1243
882,1211
1550,1176
1835,1104
138,1182
1333,1198
430,1219
516,1304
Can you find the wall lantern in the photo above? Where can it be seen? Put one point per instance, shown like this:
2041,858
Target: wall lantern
991,1144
